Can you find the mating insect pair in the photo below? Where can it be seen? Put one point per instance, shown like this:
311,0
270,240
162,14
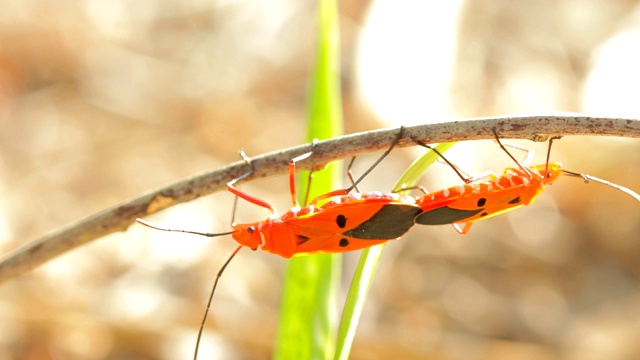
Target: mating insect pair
341,221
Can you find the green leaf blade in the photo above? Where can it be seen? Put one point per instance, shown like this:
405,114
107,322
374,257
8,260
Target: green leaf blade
308,312
370,259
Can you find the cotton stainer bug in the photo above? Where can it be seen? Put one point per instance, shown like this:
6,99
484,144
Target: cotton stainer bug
490,195
338,221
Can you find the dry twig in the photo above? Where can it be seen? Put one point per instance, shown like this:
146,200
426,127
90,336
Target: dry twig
120,217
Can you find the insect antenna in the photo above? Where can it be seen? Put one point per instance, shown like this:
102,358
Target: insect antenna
588,178
213,290
215,283
147,224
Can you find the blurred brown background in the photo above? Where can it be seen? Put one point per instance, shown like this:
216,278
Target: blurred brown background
101,101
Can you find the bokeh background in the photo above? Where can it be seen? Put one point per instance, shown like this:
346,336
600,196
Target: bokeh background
101,101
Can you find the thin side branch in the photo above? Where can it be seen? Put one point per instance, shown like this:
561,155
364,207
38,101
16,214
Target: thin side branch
120,217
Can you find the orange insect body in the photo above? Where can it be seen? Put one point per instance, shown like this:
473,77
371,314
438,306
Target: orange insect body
333,222
486,197
343,223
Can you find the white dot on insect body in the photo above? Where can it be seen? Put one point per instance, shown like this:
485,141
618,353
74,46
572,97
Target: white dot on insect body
263,241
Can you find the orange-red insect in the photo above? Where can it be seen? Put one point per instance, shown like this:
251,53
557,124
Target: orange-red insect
334,222
490,195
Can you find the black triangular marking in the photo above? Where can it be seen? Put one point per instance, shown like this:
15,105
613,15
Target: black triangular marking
444,215
302,239
390,222
515,201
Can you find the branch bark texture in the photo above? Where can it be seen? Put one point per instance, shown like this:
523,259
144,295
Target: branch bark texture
120,217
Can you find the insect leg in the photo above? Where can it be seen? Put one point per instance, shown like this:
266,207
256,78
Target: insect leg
384,155
546,169
454,167
252,199
292,175
529,152
522,167
354,184
350,174
462,230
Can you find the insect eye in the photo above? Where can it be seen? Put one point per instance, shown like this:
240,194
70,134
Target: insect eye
251,229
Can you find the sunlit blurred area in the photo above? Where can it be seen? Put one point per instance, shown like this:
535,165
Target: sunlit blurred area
102,101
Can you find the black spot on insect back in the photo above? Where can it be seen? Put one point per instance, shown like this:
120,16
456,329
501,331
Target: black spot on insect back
482,202
341,221
515,200
344,242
